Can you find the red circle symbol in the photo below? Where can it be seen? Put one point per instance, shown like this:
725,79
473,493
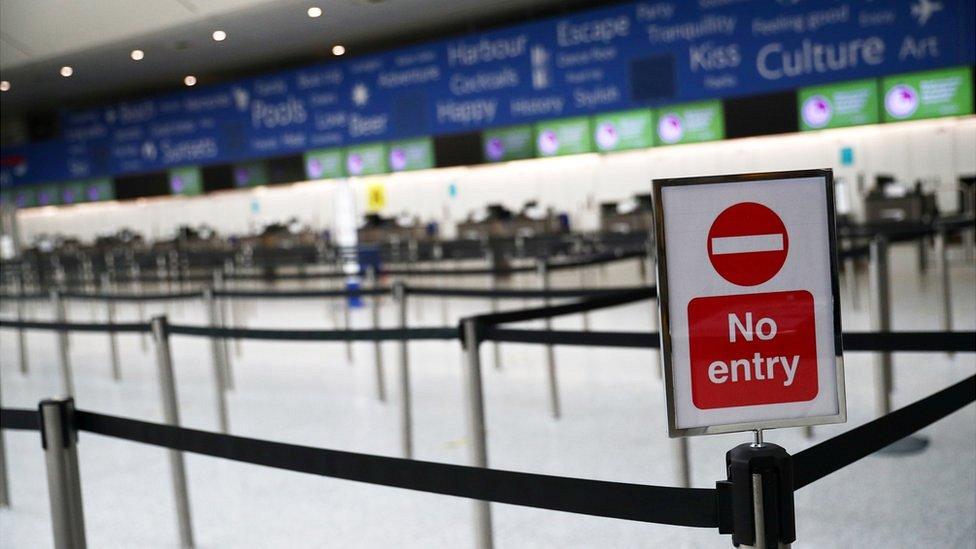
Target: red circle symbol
748,244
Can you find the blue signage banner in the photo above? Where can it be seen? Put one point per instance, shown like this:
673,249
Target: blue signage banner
642,54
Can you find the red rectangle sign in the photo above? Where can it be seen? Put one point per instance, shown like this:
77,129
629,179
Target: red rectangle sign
752,349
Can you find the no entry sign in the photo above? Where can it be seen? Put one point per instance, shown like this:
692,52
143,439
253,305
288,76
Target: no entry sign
747,285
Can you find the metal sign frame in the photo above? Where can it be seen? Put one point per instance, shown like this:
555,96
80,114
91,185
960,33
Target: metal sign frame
663,302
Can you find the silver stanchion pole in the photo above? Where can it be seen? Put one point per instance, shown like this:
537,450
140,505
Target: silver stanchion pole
496,349
4,484
881,290
881,309
476,426
113,342
59,440
219,314
682,468
760,488
225,316
377,344
21,334
171,415
66,379
135,285
218,367
543,272
346,318
236,316
850,277
582,283
650,279
942,256
406,422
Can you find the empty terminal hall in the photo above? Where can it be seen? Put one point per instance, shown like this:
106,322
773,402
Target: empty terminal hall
508,274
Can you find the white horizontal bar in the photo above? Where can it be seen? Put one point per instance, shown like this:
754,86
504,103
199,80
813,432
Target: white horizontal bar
747,244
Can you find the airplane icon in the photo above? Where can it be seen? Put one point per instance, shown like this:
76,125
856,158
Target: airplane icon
923,10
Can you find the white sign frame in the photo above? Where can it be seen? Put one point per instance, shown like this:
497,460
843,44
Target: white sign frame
664,311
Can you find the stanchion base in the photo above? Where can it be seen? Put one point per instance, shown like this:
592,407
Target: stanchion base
907,446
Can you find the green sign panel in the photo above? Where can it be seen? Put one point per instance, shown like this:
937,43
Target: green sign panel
513,143
73,193
25,197
366,159
324,164
48,195
566,136
186,181
839,105
411,154
618,131
930,94
690,123
97,190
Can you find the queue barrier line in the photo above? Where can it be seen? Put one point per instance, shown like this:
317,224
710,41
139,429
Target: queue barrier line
842,450
154,296
19,419
291,294
919,341
581,306
694,507
101,327
379,334
555,293
946,342
519,293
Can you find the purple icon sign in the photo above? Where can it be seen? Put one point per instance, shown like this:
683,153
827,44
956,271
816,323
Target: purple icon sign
607,136
670,129
817,111
398,159
315,168
176,184
548,142
495,149
92,193
901,101
354,163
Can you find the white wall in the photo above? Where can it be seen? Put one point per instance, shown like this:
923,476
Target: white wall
937,151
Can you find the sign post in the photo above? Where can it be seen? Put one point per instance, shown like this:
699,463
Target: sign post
750,325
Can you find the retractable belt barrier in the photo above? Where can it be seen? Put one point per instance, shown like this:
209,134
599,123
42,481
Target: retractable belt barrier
555,293
695,507
659,504
591,304
102,327
946,342
155,296
818,461
380,334
519,293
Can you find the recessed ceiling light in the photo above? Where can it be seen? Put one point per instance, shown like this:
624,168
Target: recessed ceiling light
4,86
314,12
338,49
137,55
219,35
67,71
190,80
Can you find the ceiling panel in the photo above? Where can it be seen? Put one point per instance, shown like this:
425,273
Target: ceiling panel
95,37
